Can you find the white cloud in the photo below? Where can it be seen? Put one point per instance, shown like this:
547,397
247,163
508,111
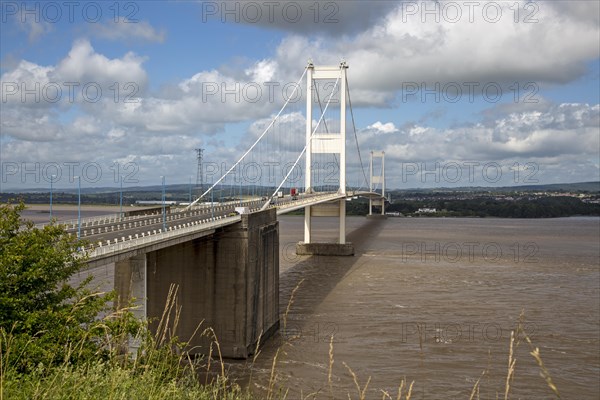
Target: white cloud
83,64
388,127
262,71
391,50
82,77
27,22
126,30
405,48
560,140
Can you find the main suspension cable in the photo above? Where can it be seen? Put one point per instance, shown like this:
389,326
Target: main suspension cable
254,144
305,146
355,135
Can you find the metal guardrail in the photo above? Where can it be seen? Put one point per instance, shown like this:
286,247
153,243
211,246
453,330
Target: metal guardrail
114,223
87,220
157,236
117,218
316,199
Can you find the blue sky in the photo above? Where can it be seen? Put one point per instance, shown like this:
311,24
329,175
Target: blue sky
547,51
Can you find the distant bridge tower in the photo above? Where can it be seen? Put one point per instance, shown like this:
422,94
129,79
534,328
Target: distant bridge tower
379,179
326,143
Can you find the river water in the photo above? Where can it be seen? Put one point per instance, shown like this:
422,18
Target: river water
434,300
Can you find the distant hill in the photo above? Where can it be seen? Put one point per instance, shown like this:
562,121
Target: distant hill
184,188
552,187
567,187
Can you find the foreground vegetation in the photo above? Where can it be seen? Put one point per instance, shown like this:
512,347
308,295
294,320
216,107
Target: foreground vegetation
63,342
54,345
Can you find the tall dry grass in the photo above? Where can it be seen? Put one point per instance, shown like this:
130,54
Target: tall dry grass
162,368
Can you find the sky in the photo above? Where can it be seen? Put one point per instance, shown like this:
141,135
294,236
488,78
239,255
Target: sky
456,93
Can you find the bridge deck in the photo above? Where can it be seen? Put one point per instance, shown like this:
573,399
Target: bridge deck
111,235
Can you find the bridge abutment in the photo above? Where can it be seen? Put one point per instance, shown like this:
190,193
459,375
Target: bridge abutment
228,281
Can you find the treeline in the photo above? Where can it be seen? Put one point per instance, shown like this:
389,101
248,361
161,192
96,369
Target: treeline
65,198
544,207
111,198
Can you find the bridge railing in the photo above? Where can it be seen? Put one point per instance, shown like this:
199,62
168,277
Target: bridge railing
87,220
317,197
93,225
130,242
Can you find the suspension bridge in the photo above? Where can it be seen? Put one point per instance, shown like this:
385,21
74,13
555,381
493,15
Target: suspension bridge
222,250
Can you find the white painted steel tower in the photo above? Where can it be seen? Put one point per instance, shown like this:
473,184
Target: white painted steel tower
375,180
326,143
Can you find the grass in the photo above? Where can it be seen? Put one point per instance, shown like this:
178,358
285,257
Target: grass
108,381
162,370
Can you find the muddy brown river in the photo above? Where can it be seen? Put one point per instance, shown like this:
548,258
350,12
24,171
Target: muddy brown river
434,300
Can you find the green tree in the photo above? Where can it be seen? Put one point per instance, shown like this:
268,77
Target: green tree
48,319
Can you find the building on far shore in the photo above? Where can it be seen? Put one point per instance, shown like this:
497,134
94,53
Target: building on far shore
426,210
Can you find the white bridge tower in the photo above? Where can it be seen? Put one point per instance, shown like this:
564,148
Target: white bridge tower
326,143
375,180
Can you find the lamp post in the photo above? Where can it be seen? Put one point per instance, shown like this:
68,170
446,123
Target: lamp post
190,197
121,198
51,181
164,211
78,207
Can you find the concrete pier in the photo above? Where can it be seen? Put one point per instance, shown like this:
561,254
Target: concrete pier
130,283
376,216
228,281
324,249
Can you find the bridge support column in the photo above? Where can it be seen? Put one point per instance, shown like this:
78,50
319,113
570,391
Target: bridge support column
130,282
307,223
337,209
228,281
342,221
